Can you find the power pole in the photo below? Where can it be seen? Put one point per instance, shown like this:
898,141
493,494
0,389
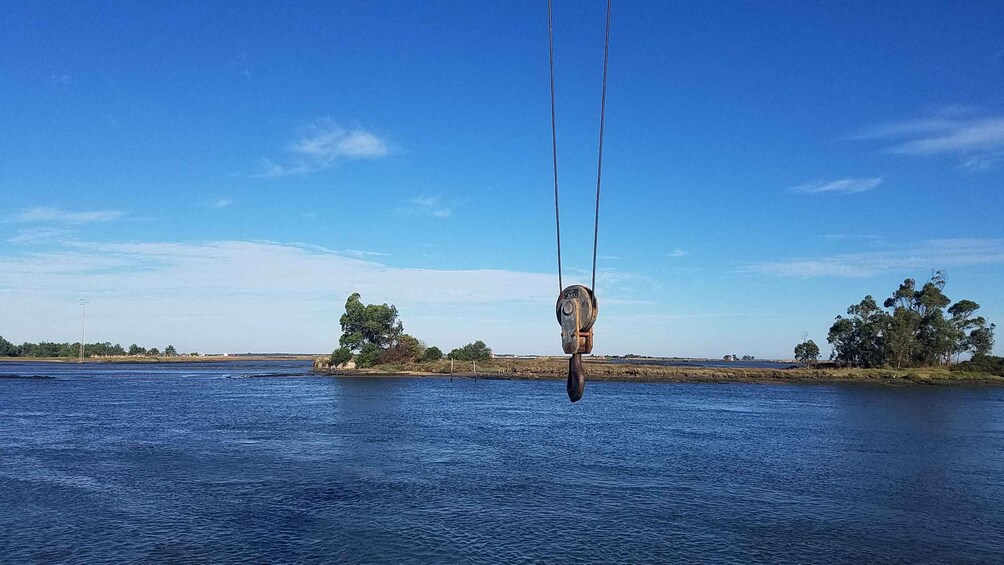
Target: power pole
83,315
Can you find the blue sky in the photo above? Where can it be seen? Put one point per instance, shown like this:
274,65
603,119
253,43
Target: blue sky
221,176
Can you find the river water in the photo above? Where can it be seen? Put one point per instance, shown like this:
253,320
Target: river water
261,462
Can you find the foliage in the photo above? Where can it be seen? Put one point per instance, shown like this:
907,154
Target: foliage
432,354
136,350
807,352
405,349
368,324
917,331
340,356
170,351
52,349
982,364
154,351
8,349
476,351
368,355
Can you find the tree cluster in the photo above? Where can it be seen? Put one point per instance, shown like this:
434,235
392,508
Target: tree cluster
53,349
476,351
913,327
373,335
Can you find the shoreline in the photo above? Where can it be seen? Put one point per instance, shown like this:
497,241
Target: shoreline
555,369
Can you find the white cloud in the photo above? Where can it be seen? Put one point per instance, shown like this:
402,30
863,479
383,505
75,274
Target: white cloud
322,145
977,139
358,253
426,206
931,254
241,296
220,203
842,186
33,236
678,253
57,215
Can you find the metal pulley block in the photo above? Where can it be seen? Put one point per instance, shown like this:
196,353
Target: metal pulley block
576,310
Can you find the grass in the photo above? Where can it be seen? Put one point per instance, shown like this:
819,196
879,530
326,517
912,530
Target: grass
601,370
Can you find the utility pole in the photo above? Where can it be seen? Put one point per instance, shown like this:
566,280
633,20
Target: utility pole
83,315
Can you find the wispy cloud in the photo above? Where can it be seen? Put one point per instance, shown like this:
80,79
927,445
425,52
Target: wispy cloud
426,206
220,203
247,296
322,145
678,253
841,186
359,253
57,215
977,139
32,236
60,79
931,254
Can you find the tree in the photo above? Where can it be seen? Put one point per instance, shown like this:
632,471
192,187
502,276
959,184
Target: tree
807,352
170,351
404,349
154,351
340,356
476,351
136,350
981,340
859,340
432,354
368,324
8,349
368,355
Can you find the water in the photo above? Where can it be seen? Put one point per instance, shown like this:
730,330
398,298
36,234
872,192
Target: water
196,463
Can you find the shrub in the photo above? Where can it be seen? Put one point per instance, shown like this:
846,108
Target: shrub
340,356
432,354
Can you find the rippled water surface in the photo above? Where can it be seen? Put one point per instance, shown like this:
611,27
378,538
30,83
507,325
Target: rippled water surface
205,462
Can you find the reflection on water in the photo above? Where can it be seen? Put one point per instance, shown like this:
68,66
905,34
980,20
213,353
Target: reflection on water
179,463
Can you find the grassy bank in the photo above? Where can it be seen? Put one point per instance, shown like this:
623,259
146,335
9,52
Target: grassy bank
556,368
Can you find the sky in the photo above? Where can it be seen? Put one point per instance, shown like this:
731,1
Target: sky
221,176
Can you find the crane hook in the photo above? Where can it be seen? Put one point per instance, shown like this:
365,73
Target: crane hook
576,310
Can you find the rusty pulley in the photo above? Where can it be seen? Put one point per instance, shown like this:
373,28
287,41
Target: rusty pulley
576,310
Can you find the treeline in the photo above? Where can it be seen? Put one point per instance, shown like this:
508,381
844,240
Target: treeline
913,327
53,349
373,335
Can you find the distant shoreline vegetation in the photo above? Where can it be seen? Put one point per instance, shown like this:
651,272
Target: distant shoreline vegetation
373,336
918,328
914,328
50,349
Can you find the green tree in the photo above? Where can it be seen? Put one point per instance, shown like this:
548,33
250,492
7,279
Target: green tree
8,349
807,352
362,324
476,351
136,350
859,340
340,356
154,351
170,351
432,354
369,355
981,340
